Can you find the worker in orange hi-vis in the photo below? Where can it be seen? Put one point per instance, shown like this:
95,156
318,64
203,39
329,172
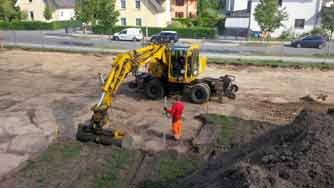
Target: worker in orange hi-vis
176,113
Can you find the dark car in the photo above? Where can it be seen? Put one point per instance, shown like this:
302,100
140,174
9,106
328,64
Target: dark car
165,36
309,42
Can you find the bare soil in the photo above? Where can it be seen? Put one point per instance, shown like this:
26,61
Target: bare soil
66,86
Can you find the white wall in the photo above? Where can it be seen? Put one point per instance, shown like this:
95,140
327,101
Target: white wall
236,22
63,14
296,9
237,5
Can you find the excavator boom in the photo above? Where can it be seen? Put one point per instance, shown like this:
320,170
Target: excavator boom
122,65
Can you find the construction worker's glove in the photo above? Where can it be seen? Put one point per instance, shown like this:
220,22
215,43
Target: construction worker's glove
165,109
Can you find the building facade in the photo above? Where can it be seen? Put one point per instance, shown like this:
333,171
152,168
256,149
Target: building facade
303,15
236,5
62,9
184,8
149,13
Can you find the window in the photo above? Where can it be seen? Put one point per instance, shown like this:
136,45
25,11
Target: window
280,2
179,14
123,21
123,4
137,4
179,2
138,22
61,13
31,15
299,23
30,1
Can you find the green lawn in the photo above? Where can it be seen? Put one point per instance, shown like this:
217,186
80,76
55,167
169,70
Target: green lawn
271,63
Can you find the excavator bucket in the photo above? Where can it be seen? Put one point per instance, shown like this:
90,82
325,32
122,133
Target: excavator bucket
103,136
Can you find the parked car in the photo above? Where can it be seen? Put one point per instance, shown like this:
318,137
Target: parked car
165,36
134,34
312,41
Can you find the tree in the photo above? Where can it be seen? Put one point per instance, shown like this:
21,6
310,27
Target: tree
48,13
83,11
269,16
327,22
7,10
106,14
96,11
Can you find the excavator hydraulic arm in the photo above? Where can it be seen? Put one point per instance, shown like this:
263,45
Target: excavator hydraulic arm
122,65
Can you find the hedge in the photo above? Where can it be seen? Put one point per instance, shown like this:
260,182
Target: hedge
194,32
37,25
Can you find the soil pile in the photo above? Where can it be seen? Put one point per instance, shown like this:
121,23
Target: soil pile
300,154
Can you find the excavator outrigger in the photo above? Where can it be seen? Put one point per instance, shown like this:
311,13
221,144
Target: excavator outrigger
171,69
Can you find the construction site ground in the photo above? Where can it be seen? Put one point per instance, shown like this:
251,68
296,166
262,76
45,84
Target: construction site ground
45,95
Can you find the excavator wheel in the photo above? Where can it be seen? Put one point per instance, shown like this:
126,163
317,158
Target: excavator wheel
200,93
109,140
154,89
84,135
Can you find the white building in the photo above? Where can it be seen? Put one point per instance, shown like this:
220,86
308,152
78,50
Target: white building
237,17
235,5
303,15
62,9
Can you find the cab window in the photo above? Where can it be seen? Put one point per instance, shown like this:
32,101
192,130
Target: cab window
178,58
195,62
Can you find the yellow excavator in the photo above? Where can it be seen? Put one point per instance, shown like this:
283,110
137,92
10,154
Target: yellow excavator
171,69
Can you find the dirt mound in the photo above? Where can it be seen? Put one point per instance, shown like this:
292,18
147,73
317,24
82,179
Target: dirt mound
300,154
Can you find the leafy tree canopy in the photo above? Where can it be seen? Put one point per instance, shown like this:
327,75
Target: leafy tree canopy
269,16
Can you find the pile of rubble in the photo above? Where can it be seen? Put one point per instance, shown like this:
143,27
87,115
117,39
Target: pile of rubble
298,155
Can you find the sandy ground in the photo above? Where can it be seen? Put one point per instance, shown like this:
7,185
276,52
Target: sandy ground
43,95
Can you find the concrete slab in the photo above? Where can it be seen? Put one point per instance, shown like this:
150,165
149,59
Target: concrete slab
9,162
4,146
18,124
31,143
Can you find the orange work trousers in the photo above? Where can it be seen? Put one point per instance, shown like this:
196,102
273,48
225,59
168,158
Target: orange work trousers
177,129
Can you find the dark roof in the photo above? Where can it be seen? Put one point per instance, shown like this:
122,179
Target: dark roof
61,3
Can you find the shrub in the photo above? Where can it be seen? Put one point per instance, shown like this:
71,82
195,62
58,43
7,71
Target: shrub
286,35
193,32
37,25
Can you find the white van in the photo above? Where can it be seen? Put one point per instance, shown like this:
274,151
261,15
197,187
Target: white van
134,34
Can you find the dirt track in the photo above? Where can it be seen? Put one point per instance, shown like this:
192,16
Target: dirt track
54,92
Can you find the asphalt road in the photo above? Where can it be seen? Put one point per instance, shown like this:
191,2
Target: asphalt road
59,38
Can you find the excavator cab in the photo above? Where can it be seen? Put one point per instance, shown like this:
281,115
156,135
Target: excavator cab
185,63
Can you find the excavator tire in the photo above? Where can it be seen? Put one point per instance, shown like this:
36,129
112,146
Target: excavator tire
85,136
200,93
108,140
154,89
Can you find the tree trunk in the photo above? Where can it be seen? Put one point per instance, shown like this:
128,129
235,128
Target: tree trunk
330,44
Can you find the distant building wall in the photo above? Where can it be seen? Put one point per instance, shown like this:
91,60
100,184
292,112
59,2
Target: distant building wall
33,8
184,8
63,14
143,12
235,5
303,16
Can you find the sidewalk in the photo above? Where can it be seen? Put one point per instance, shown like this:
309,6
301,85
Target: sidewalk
208,54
